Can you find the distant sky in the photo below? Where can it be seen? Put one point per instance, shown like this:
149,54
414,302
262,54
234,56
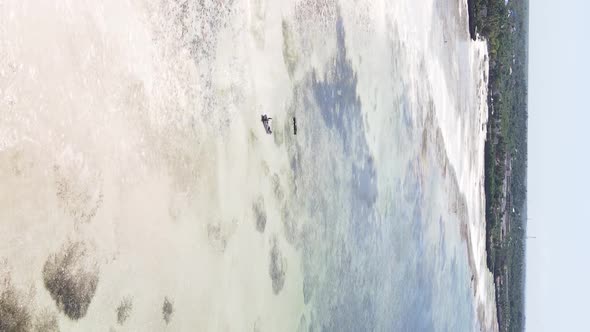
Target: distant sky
558,260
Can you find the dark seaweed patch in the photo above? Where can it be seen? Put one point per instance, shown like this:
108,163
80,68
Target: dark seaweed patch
71,280
124,310
259,214
167,310
14,315
277,268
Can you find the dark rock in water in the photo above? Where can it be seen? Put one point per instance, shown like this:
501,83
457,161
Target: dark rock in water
14,315
71,279
277,268
260,214
124,310
167,310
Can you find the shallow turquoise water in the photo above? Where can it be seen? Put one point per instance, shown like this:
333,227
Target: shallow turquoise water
381,249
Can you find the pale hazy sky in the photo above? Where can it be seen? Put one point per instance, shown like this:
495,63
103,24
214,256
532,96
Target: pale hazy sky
558,260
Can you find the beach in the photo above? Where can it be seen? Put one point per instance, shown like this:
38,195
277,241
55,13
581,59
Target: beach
140,185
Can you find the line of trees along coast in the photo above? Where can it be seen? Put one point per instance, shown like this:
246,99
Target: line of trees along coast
504,25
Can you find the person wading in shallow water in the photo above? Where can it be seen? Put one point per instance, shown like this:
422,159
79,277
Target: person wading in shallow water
266,123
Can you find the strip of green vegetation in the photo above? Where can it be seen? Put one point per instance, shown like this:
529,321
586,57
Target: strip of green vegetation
504,24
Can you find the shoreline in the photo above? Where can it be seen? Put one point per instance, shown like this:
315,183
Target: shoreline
504,28
470,175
